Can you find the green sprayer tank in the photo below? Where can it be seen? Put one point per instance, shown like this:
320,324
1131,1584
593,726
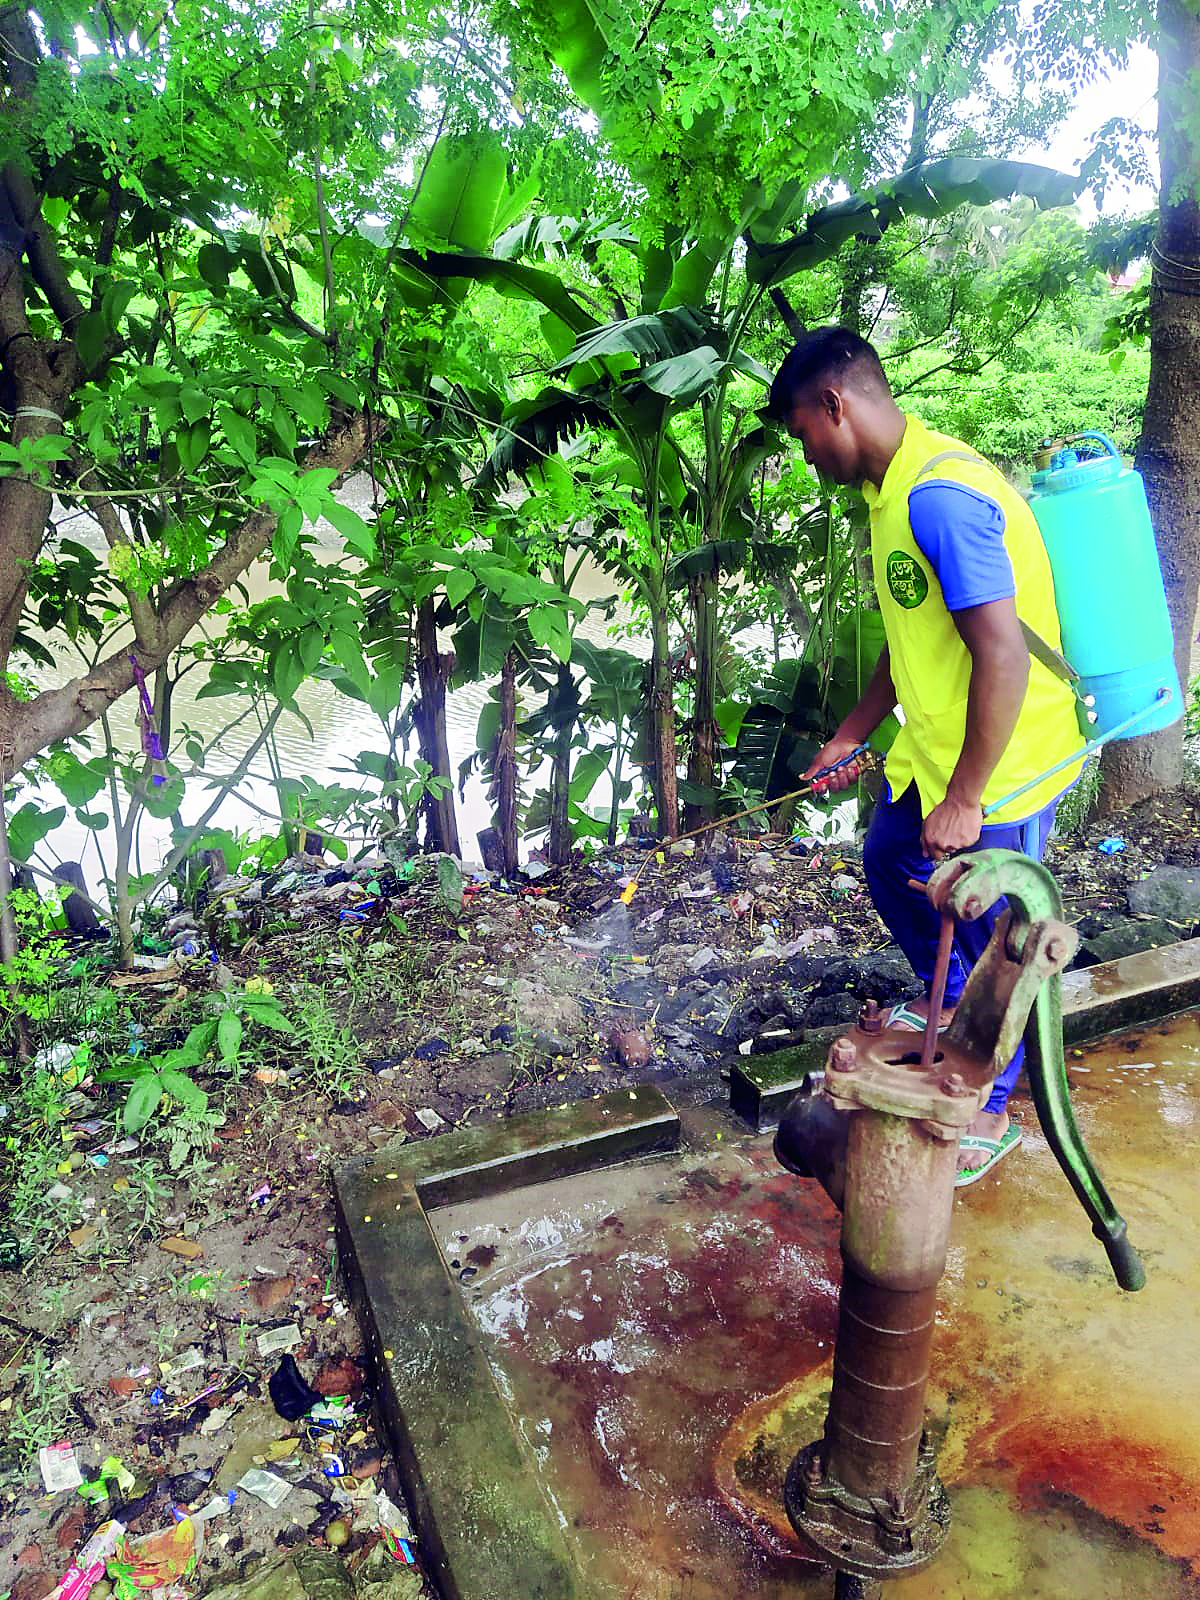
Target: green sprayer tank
1108,588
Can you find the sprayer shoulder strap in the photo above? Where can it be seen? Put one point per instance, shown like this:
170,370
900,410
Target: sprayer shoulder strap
1053,660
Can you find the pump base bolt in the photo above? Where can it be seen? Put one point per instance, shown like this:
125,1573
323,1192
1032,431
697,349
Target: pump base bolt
870,1018
878,1538
843,1057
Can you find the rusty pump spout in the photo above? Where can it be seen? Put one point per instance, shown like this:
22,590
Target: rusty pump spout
882,1136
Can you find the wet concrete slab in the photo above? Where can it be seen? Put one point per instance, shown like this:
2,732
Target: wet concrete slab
1107,998
487,1528
661,1333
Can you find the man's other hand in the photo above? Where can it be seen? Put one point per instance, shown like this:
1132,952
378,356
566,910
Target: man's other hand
951,826
838,748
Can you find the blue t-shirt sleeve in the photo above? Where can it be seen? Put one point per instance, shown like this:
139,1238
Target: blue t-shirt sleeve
961,535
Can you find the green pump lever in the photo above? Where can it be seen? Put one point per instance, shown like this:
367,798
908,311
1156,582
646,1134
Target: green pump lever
968,886
1047,1071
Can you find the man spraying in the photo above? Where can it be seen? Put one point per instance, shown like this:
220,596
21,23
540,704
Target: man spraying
959,565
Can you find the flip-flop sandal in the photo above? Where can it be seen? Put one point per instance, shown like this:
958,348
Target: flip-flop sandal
996,1150
909,1021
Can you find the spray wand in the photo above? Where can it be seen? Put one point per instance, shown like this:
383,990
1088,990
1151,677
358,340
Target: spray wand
861,753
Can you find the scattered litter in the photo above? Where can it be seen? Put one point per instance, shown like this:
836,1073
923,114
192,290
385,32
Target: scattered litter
1111,847
702,958
286,1338
399,1549
216,1420
268,1486
429,1118
281,1449
845,882
187,1248
431,1049
218,1506
290,1394
59,1191
87,1569
60,1470
390,1516
628,892
112,1470
259,1196
330,1414
191,1358
806,940
148,969
157,1561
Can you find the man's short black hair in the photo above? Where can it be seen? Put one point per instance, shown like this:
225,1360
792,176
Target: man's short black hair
824,353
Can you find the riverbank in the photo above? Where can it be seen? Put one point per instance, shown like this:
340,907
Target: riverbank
177,1306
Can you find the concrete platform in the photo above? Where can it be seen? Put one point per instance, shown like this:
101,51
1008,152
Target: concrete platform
592,1380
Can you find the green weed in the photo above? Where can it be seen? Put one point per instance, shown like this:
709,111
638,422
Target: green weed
330,1048
43,1413
1078,805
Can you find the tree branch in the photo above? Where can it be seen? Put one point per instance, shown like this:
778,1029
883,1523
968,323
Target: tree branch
971,371
224,785
41,246
285,304
319,182
145,618
59,713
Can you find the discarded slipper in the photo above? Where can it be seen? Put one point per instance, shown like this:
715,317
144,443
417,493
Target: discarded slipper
908,1020
995,1149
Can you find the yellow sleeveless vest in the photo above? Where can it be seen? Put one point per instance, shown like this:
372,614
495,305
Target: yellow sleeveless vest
931,666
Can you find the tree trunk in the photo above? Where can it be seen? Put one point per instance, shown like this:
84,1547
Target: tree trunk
506,764
702,759
1169,453
662,728
441,820
566,702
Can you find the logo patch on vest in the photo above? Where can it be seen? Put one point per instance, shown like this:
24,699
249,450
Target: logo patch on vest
906,580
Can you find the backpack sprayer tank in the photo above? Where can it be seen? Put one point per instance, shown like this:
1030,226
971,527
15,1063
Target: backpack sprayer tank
1117,650
1108,589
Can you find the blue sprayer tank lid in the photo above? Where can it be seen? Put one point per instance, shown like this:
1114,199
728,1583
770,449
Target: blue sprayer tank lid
1108,587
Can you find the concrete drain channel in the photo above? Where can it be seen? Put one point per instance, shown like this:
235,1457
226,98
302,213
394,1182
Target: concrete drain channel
601,1334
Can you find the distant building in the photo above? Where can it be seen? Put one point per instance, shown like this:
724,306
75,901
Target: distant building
1122,282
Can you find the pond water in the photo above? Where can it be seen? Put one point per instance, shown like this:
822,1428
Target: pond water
662,1335
341,727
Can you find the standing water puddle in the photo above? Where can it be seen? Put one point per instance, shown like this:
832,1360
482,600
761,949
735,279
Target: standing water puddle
662,1334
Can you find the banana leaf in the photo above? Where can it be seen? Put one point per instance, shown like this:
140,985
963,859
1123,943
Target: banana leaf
928,190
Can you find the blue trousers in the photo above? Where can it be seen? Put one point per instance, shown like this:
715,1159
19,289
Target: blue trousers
892,855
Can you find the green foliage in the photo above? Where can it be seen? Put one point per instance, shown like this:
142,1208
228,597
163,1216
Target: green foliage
158,1080
1048,386
26,982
